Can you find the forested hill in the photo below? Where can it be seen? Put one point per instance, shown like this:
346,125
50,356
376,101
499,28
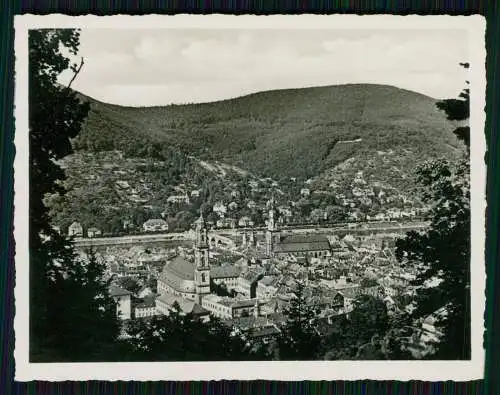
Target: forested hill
282,133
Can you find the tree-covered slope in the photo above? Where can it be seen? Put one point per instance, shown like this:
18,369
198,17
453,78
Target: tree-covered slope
283,133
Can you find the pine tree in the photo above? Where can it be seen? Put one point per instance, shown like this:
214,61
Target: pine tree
442,252
67,297
299,339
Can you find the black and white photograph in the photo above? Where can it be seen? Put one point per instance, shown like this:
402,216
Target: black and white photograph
242,197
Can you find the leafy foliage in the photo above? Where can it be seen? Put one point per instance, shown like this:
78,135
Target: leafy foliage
179,337
443,251
71,314
299,339
368,318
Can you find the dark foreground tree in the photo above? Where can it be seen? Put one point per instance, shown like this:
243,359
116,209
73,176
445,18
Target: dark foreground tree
66,301
181,337
368,318
299,339
442,252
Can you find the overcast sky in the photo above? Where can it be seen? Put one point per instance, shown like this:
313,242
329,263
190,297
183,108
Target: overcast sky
164,66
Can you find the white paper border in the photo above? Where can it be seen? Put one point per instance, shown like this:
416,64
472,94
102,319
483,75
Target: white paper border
276,370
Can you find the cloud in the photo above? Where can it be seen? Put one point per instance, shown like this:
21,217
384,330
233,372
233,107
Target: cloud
154,67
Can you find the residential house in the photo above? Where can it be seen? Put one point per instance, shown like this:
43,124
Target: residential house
285,212
178,199
245,222
251,205
195,193
226,223
155,225
75,229
220,209
93,232
305,192
233,206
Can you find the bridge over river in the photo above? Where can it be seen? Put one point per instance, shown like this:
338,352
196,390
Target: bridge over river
225,237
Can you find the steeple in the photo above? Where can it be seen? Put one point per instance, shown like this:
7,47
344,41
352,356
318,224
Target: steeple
201,233
272,235
271,223
201,258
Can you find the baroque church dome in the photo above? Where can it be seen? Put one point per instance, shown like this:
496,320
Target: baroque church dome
179,275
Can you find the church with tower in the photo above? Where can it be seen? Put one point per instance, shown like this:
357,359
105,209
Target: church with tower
201,261
278,245
185,281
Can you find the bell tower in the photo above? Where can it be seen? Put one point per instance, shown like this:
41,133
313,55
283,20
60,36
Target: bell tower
272,233
202,267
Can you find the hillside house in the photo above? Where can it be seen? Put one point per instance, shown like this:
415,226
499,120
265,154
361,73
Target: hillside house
93,232
226,223
178,199
75,229
245,222
285,212
155,225
220,209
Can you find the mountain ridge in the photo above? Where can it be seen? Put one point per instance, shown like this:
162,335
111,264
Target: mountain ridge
277,130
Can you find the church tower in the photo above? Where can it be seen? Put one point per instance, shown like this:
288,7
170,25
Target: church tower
272,233
202,268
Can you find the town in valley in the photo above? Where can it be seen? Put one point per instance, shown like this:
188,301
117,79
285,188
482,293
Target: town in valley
303,201
244,268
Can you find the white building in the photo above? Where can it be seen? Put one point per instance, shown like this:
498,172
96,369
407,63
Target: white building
75,229
220,209
229,308
155,225
245,222
93,232
122,298
146,309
